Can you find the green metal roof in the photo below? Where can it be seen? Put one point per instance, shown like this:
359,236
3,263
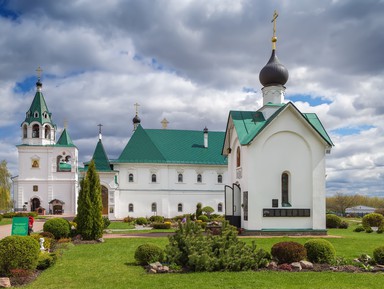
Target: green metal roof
173,146
100,158
248,124
65,140
39,106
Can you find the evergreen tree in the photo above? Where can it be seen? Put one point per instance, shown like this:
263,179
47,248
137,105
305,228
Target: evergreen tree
5,187
89,206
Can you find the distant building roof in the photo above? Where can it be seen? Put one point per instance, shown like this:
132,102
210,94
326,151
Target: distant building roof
173,146
360,209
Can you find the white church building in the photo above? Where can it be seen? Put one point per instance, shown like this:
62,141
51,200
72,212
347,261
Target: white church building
265,173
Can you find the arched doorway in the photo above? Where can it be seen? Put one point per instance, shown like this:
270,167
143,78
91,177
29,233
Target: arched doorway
35,203
104,199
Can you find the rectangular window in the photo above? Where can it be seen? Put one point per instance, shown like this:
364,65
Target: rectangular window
286,213
35,188
111,210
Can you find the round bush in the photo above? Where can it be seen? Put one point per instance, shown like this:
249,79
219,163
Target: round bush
18,252
141,221
165,225
203,218
378,255
332,221
148,253
343,225
59,227
373,220
156,219
359,228
320,251
288,252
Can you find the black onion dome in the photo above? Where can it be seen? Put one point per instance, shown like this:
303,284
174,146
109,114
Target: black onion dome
136,119
39,84
273,73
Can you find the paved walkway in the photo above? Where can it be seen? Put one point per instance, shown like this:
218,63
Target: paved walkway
6,230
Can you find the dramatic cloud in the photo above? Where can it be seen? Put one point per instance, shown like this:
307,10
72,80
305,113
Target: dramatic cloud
191,62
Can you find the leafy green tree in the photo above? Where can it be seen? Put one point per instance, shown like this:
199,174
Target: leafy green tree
89,206
5,186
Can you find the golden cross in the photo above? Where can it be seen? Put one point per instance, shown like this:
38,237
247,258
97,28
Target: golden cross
136,107
65,123
39,71
100,125
274,38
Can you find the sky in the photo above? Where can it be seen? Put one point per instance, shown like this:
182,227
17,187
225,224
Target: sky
193,61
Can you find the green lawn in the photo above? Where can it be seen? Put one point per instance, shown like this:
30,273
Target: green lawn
5,221
111,265
121,226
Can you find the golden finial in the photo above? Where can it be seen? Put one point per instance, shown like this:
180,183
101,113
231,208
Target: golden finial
65,123
164,123
274,38
39,71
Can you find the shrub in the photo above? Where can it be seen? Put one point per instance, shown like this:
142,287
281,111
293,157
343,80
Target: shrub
359,228
1,217
128,219
196,251
380,211
378,255
47,241
141,221
203,218
46,260
343,225
199,210
373,220
332,221
320,251
156,219
18,252
148,253
59,227
106,222
166,225
288,252
208,210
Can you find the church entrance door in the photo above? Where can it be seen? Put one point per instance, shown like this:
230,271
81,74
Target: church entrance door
233,205
35,203
104,199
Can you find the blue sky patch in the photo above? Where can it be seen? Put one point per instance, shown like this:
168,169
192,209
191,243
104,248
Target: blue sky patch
249,90
26,85
313,101
7,13
351,130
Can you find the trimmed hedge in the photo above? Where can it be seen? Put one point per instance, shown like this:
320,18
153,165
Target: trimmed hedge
373,220
378,255
333,221
60,228
141,221
165,225
156,219
148,253
18,252
288,252
320,251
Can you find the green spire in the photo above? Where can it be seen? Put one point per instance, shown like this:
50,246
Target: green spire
100,158
39,111
65,139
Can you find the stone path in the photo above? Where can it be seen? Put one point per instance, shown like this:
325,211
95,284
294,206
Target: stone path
6,230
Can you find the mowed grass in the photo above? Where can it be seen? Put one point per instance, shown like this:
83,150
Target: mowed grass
5,221
111,265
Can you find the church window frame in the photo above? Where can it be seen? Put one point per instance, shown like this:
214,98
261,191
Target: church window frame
35,188
180,178
220,207
131,208
35,114
199,178
220,178
285,189
154,178
238,157
131,178
154,207
179,207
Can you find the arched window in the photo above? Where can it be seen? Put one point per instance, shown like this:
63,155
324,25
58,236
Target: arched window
219,178
180,178
130,178
238,163
220,207
130,208
36,114
25,131
285,190
154,207
154,179
199,178
47,132
35,131
180,207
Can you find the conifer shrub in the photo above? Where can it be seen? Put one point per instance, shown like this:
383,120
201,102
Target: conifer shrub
165,225
288,252
320,251
141,221
332,221
148,253
18,252
59,227
106,222
191,249
378,255
1,217
373,220
156,219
